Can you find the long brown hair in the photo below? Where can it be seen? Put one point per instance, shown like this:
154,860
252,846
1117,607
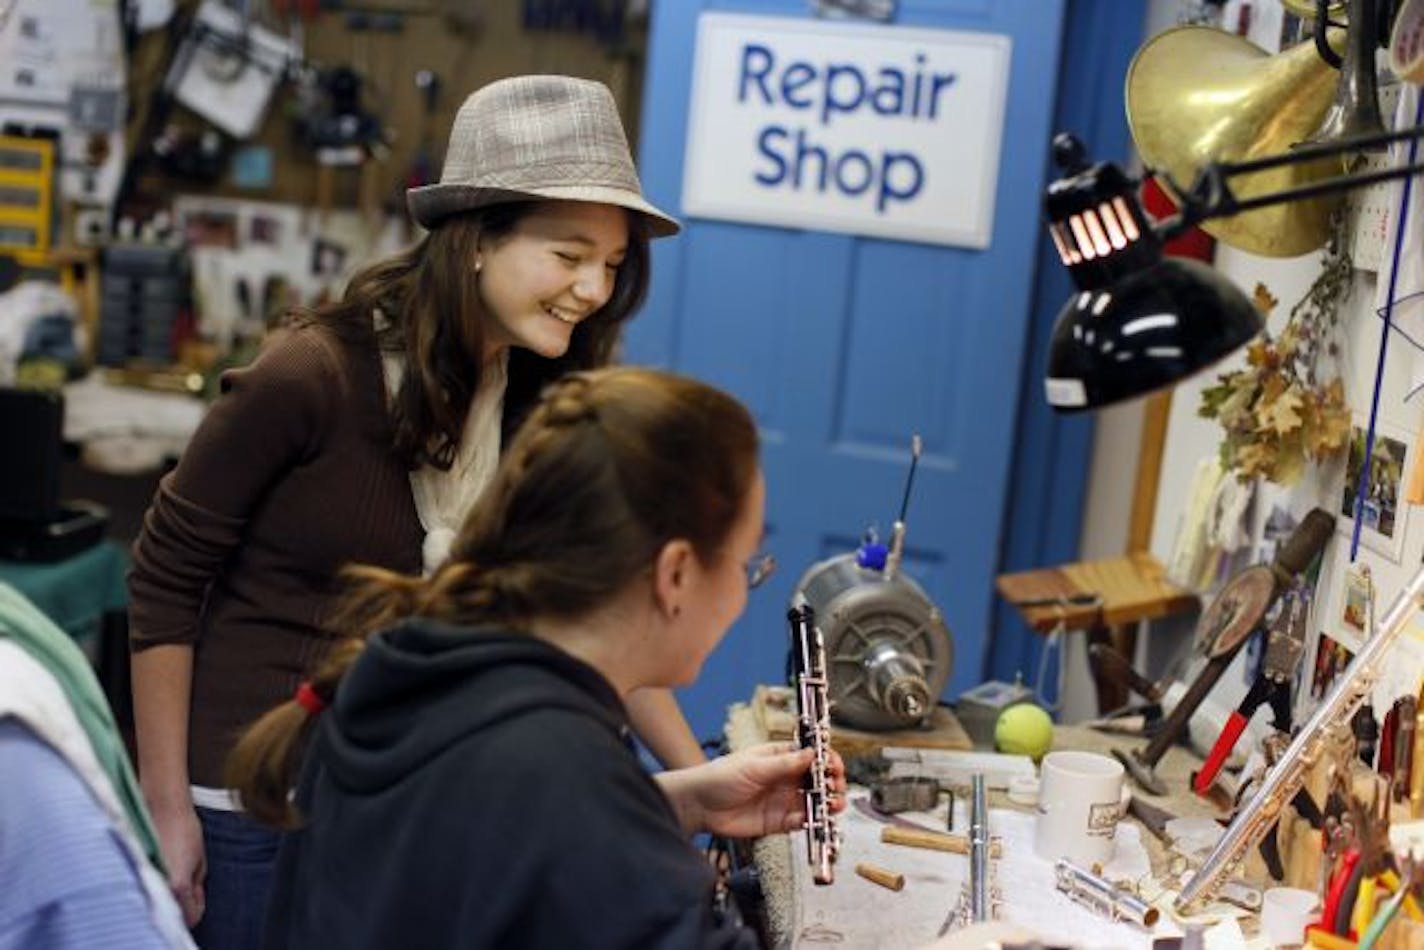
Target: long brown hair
430,297
610,466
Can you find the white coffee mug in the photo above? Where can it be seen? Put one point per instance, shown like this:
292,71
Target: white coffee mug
1285,913
1080,800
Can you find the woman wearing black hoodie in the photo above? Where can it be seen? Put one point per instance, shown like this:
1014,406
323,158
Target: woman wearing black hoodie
472,782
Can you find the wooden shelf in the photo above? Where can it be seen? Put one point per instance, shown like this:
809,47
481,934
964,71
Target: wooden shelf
1131,588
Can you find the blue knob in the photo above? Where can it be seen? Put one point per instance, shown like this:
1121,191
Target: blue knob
871,555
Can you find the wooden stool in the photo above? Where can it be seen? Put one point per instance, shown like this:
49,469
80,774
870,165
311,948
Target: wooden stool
1104,598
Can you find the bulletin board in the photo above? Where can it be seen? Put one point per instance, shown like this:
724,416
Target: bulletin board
467,44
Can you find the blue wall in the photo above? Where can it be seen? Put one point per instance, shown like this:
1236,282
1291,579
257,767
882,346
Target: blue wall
1052,455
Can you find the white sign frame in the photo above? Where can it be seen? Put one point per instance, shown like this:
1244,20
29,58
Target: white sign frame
730,143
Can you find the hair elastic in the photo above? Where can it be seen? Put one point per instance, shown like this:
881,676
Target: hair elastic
308,699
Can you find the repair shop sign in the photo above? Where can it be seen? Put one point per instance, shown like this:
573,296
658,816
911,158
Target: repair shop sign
849,127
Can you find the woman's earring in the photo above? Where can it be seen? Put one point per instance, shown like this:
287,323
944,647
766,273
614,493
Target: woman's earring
479,264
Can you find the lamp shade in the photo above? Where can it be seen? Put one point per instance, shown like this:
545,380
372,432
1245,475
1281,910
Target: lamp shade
1145,330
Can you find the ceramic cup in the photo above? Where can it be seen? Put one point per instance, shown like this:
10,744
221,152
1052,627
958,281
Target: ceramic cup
1081,797
1285,912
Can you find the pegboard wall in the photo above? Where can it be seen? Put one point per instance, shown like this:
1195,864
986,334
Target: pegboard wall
466,43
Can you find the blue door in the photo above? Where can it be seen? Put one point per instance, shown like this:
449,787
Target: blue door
843,346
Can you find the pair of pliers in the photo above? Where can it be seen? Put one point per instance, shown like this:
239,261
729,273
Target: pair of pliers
1285,641
1265,689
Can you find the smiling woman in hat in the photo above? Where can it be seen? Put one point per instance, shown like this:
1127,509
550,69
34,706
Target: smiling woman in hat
363,432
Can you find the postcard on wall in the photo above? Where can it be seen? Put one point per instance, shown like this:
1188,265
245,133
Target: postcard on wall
1380,512
1331,658
1359,601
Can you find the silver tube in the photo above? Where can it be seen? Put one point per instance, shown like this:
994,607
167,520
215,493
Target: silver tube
1101,896
978,852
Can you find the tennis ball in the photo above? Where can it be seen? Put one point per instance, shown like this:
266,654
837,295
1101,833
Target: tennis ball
1024,729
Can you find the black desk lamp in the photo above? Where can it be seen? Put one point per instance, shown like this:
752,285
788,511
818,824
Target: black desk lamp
1141,321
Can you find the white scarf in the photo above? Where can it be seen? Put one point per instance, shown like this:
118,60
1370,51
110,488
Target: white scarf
444,498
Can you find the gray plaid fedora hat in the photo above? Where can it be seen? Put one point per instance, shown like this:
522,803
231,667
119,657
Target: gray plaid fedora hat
552,137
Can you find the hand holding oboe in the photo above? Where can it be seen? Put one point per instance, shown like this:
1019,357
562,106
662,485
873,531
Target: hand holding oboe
750,793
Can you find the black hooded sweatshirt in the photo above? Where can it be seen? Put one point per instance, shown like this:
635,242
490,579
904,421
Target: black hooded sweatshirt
477,788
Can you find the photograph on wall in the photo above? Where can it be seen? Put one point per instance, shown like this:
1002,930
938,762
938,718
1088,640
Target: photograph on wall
265,229
210,228
1381,515
1331,658
1359,594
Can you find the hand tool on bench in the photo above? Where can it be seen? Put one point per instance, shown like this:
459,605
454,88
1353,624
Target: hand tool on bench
1285,642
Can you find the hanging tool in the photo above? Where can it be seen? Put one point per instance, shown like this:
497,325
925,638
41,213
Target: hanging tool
1401,773
422,164
1285,642
1143,719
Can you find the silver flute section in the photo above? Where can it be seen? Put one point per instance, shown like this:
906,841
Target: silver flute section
978,851
979,898
1102,896
1285,778
813,731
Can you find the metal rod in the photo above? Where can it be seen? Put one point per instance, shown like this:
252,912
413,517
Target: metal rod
915,446
978,852
1210,195
897,533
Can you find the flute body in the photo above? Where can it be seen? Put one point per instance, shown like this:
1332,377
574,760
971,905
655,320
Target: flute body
813,731
1100,895
978,852
1284,780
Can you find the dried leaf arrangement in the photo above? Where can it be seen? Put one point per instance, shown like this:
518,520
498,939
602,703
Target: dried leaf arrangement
1276,412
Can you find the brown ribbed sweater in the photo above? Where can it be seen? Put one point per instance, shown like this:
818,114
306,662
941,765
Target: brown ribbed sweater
290,476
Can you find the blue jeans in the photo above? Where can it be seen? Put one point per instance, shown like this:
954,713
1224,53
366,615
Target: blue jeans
241,855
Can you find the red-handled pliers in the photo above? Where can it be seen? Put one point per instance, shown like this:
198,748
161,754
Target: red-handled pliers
1264,690
1285,641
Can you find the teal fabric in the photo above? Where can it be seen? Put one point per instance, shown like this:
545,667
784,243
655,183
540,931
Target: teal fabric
77,591
53,649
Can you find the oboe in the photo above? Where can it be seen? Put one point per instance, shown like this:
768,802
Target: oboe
1285,778
1101,896
813,731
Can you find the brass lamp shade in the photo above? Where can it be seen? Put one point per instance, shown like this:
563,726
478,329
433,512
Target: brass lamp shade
1198,94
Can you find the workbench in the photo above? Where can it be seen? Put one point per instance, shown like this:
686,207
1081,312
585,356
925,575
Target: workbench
796,910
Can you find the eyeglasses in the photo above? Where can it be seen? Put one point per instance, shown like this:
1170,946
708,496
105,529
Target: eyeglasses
759,568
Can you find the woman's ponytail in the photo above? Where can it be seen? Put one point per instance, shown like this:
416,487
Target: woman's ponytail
263,765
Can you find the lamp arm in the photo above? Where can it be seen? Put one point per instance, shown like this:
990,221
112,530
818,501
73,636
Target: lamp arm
1322,39
1210,195
1286,777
